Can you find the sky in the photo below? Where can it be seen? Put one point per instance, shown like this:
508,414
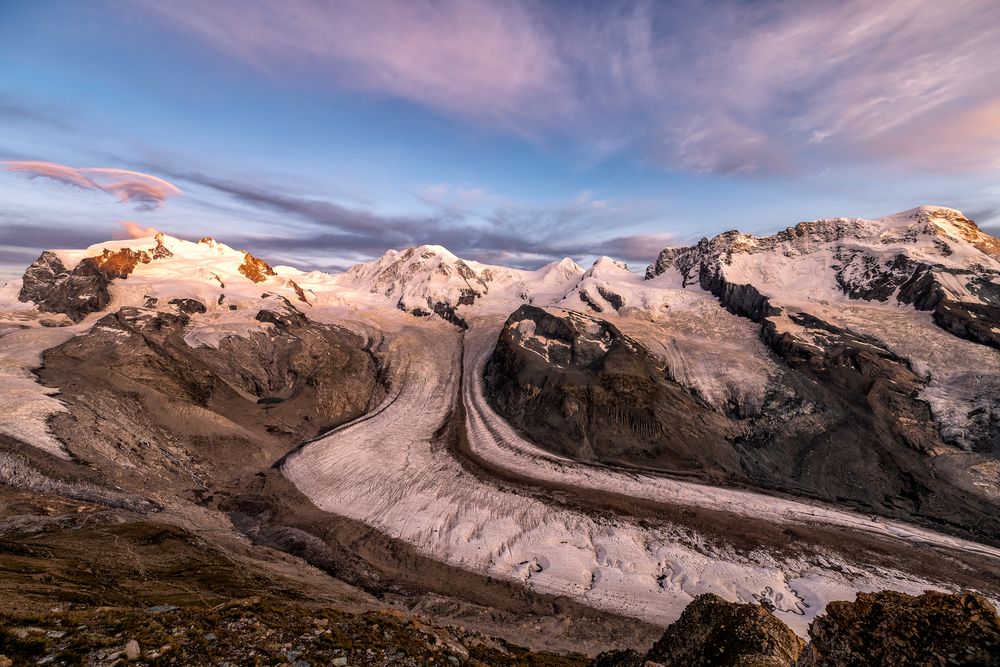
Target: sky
319,134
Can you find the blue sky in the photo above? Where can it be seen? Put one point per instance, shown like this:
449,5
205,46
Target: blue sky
323,133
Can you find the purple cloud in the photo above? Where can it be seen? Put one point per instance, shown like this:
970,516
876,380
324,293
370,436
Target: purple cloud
470,57
146,191
722,87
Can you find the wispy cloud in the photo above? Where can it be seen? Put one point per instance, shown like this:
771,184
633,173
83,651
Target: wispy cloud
486,227
19,111
714,87
144,190
471,57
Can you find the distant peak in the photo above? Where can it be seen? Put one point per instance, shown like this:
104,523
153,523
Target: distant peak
935,210
605,263
568,263
434,250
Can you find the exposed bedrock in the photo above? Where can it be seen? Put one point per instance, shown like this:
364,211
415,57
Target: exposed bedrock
56,289
83,289
136,390
886,628
891,628
842,423
584,389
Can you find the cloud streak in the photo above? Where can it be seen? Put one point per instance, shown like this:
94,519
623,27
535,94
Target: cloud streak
729,86
144,190
469,57
517,235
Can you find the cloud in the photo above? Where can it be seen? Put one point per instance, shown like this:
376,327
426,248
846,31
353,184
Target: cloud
16,110
136,231
317,232
475,58
34,236
969,139
729,86
146,191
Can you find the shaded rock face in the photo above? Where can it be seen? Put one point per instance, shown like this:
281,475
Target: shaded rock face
299,292
891,628
136,389
83,290
842,421
582,388
886,628
712,632
861,366
55,289
973,321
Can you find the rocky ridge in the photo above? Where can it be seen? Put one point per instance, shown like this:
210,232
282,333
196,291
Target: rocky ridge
932,258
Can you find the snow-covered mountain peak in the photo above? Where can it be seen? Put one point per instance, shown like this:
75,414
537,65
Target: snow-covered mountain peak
606,265
559,272
417,278
931,257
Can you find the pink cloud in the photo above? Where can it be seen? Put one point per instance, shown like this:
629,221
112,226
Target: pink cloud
145,190
723,86
136,231
475,58
962,139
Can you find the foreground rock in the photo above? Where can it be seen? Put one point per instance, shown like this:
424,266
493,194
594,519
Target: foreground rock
886,628
248,632
891,628
714,633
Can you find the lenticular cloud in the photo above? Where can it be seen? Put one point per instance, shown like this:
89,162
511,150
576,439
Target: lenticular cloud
145,190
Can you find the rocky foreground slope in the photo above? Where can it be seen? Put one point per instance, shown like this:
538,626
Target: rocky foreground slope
884,628
522,453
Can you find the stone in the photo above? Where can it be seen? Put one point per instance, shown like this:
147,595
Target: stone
713,632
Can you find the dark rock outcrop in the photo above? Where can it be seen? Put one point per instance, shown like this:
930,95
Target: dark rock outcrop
890,628
188,306
83,290
582,388
973,321
56,289
886,628
590,301
160,251
712,632
299,292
